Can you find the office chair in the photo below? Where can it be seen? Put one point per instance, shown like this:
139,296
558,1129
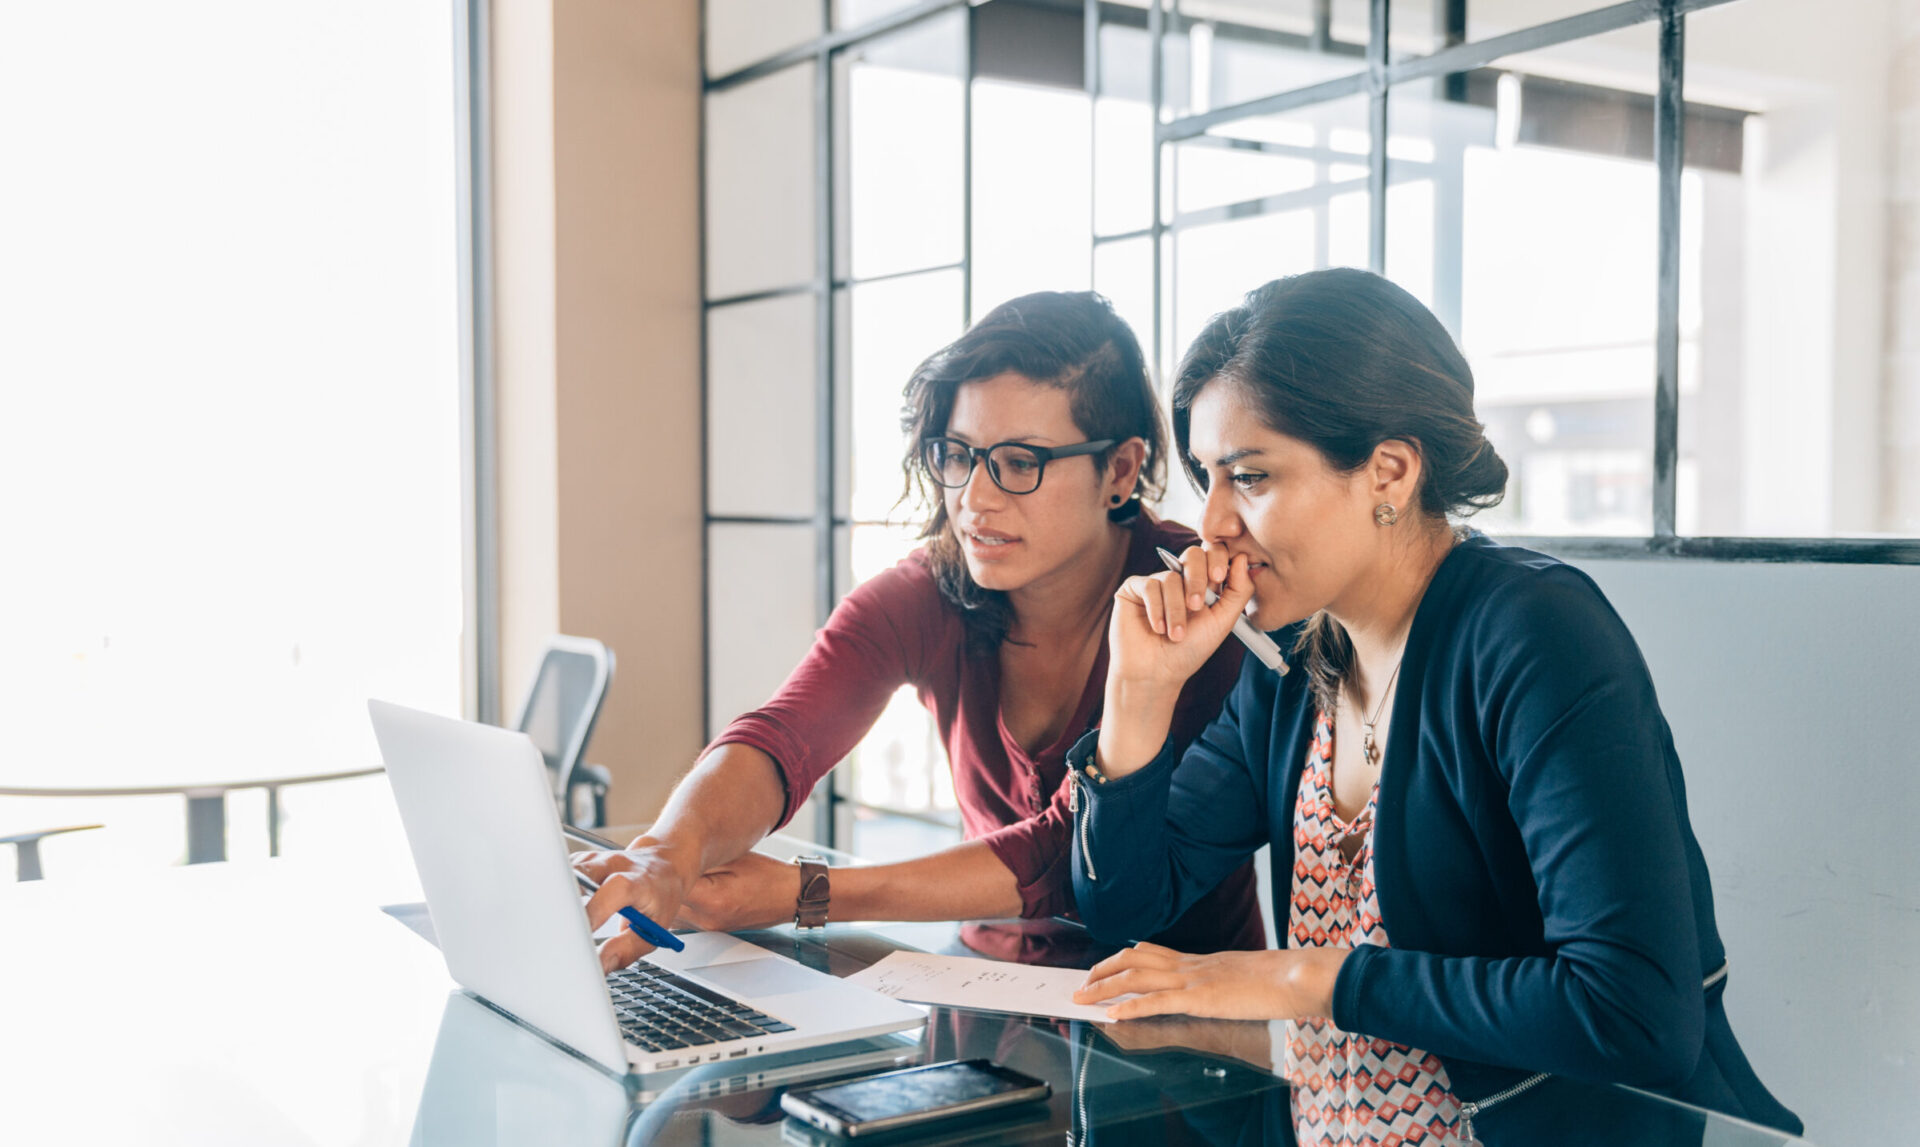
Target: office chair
26,847
559,714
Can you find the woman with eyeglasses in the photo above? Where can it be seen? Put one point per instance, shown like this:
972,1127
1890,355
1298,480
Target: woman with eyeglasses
1036,447
1482,857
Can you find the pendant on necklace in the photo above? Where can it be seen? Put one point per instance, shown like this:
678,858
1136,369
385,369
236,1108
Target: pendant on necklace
1368,750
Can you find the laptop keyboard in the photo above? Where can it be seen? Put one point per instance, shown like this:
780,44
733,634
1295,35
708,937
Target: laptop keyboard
661,1011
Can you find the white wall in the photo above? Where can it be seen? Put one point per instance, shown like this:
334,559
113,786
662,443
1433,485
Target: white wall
1792,694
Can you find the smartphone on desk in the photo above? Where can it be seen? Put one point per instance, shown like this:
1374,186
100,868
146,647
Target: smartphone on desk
912,1097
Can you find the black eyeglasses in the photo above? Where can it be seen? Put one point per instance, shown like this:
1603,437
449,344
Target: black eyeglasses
1014,466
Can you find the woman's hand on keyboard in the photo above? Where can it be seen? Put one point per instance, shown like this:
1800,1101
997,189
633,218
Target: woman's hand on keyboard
645,876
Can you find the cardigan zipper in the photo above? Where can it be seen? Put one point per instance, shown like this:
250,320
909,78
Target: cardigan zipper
1471,1109
1080,818
1079,1108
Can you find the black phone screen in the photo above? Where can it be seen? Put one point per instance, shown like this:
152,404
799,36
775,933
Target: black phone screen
902,1093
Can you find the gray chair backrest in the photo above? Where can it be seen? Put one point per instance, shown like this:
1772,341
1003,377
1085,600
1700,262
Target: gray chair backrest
563,704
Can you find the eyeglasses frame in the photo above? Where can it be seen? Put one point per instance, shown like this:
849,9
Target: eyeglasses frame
978,454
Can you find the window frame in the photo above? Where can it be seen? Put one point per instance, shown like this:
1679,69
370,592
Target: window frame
479,453
1381,76
1375,79
836,804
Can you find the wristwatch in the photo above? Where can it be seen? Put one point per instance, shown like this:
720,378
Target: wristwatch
810,911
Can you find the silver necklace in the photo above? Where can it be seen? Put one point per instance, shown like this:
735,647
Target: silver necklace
1368,749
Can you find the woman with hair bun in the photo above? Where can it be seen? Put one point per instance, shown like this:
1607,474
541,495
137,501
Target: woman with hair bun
1469,758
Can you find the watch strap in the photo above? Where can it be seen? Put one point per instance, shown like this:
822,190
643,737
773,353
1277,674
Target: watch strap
810,911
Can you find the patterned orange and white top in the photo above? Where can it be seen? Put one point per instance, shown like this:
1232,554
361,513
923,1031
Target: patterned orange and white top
1350,1089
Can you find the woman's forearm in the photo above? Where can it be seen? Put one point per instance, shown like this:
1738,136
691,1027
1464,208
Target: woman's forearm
1134,726
730,801
966,882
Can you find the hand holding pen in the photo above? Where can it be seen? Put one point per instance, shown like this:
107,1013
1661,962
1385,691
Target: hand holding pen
1164,628
637,881
642,924
1257,643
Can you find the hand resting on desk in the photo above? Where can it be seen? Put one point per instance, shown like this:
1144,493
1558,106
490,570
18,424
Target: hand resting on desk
1288,984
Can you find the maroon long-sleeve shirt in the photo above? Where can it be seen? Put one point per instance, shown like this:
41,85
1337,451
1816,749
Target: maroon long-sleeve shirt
895,629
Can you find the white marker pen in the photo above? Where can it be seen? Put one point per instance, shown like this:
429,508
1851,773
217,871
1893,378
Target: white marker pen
1261,645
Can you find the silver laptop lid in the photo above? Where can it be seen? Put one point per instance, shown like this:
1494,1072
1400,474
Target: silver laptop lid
479,818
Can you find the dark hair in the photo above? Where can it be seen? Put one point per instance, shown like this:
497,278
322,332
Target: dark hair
1344,360
1072,340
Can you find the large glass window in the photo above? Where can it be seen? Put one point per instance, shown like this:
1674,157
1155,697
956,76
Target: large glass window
1522,207
1677,353
1798,387
1683,326
230,410
807,360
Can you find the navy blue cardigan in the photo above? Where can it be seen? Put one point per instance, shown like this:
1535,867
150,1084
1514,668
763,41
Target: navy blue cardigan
1548,905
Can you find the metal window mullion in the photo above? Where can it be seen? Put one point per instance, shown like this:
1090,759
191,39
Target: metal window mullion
480,478
824,363
1449,207
1186,127
966,171
706,425
841,281
762,295
1156,96
1826,551
1668,157
1462,58
726,519
1313,198
1477,53
1090,80
829,42
1378,15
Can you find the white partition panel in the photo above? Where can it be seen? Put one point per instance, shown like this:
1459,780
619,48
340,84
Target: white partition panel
760,613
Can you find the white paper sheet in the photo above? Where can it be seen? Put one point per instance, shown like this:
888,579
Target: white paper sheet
966,982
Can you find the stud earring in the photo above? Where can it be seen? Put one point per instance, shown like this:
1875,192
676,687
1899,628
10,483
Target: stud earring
1385,515
1116,499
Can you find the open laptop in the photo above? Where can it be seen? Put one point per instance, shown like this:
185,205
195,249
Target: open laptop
479,817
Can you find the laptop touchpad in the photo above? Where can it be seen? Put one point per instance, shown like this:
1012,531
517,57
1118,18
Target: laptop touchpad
761,977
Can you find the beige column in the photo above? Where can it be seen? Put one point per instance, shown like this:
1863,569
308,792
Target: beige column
596,223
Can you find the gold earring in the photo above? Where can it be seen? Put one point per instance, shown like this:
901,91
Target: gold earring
1385,515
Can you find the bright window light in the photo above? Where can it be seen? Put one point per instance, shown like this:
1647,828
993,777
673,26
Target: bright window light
229,402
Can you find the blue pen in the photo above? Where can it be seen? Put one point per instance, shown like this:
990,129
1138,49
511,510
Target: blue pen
637,920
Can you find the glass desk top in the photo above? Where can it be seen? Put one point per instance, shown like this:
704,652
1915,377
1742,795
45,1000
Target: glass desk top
266,1002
